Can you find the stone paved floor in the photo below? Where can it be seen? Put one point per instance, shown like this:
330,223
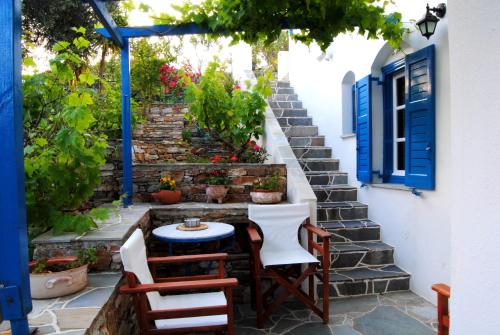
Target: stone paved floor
401,313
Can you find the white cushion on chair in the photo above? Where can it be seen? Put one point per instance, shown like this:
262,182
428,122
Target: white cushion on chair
280,226
190,301
133,253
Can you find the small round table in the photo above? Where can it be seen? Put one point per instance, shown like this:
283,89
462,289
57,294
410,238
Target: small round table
216,231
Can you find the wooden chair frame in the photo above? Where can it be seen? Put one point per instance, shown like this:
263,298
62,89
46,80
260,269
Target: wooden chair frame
282,277
443,295
147,316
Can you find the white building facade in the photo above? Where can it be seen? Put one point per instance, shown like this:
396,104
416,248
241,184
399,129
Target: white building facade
431,177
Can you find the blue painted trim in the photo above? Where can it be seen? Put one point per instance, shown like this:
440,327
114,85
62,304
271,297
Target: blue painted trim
364,130
389,71
194,240
353,108
15,297
394,67
157,30
102,13
126,125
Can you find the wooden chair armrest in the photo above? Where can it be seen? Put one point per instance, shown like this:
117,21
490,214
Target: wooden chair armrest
187,258
442,289
254,235
317,231
181,286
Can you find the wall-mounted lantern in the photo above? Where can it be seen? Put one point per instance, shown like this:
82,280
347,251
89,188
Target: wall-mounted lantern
427,25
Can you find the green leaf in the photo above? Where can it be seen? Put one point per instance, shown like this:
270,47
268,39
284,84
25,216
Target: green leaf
80,30
40,141
29,62
81,42
60,46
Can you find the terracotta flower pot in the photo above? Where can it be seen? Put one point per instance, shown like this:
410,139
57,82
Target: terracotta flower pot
57,284
216,192
167,197
266,197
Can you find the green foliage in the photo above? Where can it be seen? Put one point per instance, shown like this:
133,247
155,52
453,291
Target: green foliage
218,178
147,59
84,257
47,24
64,143
317,20
269,52
231,115
270,183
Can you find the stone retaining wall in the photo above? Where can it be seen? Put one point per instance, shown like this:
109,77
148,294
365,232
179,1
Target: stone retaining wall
190,178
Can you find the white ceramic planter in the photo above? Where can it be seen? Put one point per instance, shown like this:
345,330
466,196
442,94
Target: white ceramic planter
266,197
58,284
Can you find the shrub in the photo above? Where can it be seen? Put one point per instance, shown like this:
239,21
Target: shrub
231,116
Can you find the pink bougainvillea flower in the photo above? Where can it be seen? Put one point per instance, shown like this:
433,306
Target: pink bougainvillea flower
163,78
216,159
237,87
256,147
172,84
233,158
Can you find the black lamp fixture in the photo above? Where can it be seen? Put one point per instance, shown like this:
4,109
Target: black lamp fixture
427,25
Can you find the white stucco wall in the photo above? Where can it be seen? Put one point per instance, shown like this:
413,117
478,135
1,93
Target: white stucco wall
419,227
475,120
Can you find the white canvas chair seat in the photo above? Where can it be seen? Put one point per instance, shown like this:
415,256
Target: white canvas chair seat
280,226
133,253
190,301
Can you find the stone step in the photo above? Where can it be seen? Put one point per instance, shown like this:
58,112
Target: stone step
326,177
352,230
283,103
312,152
342,210
345,255
301,131
306,141
283,97
319,164
281,83
294,121
290,112
370,280
334,193
283,90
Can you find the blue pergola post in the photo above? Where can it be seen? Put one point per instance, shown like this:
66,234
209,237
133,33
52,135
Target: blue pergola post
15,298
126,123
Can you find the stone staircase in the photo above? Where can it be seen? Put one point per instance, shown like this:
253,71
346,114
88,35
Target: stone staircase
360,262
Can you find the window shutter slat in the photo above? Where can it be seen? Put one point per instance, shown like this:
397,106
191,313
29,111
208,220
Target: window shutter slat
364,130
420,119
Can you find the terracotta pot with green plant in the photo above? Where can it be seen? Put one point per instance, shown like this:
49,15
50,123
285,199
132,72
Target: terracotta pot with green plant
216,186
267,190
167,194
59,276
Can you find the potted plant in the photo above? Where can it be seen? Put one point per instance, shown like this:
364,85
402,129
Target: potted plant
216,189
60,276
267,190
167,194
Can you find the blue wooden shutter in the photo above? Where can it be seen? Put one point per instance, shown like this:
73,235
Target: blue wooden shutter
354,121
363,130
420,119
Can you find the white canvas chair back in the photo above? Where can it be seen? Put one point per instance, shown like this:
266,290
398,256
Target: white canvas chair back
134,259
280,225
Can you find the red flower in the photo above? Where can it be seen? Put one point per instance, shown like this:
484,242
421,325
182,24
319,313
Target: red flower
172,84
165,90
216,159
256,147
251,143
237,87
163,78
234,158
183,84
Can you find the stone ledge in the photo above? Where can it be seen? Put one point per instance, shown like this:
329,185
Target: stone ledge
116,228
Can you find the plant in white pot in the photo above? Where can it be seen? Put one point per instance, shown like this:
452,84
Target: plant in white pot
60,276
267,190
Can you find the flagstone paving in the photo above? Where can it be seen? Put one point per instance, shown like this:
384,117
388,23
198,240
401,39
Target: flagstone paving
398,313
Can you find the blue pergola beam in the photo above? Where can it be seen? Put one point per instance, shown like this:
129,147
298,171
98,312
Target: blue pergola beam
126,124
110,27
157,30
15,298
